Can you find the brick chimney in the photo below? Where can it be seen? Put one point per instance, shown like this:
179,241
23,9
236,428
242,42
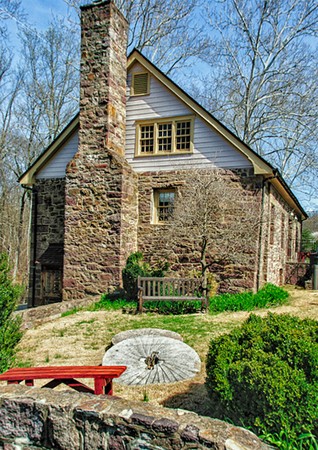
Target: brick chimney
101,188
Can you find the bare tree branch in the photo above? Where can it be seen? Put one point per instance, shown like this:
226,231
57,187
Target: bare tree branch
263,78
167,32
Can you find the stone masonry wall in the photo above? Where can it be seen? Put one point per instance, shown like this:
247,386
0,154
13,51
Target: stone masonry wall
101,205
281,240
49,225
32,418
183,256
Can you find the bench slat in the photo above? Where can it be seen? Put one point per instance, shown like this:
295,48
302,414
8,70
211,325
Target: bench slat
60,372
174,289
102,375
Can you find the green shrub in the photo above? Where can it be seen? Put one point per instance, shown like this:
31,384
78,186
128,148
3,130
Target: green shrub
135,267
282,441
10,333
269,295
264,374
172,307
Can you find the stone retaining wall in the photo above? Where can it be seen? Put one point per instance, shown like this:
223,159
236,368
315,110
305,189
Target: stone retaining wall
32,418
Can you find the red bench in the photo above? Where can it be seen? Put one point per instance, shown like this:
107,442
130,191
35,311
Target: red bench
102,375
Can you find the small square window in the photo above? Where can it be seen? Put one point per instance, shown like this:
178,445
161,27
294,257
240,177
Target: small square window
163,205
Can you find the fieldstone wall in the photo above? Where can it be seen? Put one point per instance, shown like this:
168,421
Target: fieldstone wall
281,239
32,418
48,203
101,201
183,256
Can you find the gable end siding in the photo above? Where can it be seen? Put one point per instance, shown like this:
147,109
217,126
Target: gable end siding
56,166
210,149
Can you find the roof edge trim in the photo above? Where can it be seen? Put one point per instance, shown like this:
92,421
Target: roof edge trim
28,177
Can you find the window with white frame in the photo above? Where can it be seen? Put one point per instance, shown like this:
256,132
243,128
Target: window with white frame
164,136
163,205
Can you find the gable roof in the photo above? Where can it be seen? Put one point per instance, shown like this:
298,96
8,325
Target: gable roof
28,177
260,165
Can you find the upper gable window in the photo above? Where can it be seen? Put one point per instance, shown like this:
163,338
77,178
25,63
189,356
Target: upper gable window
140,84
164,136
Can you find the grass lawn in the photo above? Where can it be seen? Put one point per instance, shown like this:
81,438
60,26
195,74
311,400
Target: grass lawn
81,339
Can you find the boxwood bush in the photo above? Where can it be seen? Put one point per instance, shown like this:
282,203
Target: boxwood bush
264,374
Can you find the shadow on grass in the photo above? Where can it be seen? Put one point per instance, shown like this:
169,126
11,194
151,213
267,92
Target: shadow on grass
196,399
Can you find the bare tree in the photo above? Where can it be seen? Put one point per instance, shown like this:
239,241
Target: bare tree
51,82
263,60
217,217
8,9
166,31
37,99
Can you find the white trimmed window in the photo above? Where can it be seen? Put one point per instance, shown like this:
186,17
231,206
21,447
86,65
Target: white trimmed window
163,205
165,136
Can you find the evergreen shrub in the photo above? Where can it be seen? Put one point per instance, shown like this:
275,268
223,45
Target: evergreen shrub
135,267
10,333
264,374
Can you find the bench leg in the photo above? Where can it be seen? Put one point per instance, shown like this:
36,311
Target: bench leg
140,301
103,386
71,382
29,382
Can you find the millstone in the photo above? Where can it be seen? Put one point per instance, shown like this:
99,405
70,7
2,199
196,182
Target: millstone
145,331
153,359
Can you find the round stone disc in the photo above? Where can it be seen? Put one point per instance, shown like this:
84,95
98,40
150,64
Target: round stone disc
153,359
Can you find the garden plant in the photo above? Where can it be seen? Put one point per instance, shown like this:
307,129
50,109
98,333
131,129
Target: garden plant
264,375
10,333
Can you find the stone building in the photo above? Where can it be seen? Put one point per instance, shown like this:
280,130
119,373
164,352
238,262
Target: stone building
101,189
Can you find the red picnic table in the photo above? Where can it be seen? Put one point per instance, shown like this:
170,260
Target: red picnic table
102,375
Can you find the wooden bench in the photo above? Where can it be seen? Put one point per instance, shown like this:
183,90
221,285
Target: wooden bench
102,375
172,289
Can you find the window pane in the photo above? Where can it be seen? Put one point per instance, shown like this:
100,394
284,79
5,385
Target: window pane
165,205
164,137
183,135
146,139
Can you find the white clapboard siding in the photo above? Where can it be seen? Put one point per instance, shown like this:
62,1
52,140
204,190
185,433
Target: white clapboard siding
210,149
56,166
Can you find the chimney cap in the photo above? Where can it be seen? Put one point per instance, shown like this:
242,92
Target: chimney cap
96,3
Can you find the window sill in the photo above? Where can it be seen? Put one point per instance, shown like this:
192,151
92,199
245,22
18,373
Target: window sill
153,155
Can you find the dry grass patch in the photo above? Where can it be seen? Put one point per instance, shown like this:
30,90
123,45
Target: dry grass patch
82,339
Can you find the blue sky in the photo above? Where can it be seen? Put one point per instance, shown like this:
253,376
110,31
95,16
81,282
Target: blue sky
38,14
40,11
